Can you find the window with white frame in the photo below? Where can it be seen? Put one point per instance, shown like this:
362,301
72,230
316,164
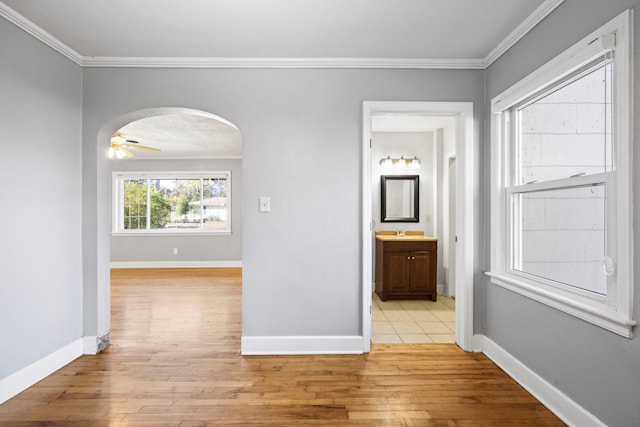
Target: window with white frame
176,202
561,205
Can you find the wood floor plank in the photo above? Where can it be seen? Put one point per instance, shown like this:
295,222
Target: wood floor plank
175,362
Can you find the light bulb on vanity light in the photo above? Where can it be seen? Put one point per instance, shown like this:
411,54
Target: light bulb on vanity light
401,163
386,162
414,163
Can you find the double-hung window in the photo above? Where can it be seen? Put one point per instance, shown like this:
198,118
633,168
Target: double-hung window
175,202
561,184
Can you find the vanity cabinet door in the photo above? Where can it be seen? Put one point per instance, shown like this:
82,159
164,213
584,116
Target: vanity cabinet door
397,272
421,272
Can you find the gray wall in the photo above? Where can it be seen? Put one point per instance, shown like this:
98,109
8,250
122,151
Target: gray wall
40,214
596,368
206,247
302,133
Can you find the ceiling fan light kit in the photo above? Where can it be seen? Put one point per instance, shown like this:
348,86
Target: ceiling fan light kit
115,152
120,147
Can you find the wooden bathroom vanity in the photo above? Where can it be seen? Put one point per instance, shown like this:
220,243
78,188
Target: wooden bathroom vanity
406,266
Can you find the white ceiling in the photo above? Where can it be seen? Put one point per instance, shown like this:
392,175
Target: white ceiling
465,31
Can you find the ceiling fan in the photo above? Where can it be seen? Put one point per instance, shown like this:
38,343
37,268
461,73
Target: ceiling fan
120,146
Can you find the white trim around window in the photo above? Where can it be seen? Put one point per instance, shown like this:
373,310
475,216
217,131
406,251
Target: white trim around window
613,308
205,209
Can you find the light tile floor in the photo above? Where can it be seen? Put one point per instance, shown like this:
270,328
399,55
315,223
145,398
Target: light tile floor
413,321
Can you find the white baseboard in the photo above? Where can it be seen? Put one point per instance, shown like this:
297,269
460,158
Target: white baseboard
559,403
444,290
177,264
29,375
302,345
477,341
90,345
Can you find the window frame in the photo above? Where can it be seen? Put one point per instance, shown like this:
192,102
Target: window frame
118,179
615,310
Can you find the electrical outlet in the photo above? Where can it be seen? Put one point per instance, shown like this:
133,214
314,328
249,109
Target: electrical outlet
265,204
175,251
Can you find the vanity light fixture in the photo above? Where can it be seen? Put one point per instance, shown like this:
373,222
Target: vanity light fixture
414,163
387,162
401,163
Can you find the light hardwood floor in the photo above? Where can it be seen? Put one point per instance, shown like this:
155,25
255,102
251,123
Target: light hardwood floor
175,360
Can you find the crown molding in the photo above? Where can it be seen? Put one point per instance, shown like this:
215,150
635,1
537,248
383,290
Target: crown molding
337,63
396,63
521,30
40,34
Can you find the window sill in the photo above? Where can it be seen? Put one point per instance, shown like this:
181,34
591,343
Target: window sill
170,233
587,309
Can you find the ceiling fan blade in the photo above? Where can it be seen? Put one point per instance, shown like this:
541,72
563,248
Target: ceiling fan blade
122,146
119,138
140,147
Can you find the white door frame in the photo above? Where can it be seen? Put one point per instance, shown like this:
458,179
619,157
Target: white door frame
465,171
446,232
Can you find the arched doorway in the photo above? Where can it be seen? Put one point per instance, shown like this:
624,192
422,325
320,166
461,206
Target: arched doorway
173,127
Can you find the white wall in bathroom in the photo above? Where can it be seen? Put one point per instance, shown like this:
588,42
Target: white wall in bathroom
407,144
445,138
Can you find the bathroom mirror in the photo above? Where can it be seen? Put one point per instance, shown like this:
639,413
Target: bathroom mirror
399,198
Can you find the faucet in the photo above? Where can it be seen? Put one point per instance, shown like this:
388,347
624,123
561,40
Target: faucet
400,233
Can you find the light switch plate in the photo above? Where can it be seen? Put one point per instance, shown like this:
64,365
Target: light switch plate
265,204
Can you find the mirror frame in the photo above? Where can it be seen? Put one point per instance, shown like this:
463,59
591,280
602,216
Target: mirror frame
416,198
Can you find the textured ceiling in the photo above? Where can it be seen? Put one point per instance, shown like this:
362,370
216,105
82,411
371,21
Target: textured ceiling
185,136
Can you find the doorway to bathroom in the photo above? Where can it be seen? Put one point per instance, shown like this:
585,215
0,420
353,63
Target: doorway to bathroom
423,141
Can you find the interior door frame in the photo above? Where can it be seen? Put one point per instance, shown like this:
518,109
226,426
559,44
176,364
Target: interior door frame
446,201
465,171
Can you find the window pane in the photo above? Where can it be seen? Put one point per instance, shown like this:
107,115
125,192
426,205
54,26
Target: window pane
135,204
160,209
561,235
175,203
567,132
214,201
